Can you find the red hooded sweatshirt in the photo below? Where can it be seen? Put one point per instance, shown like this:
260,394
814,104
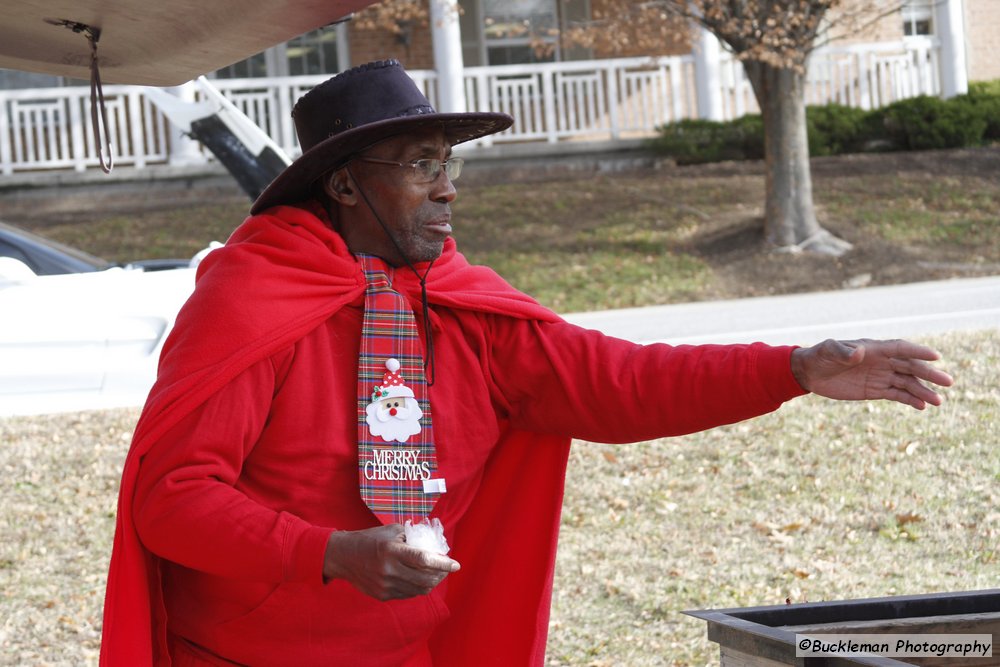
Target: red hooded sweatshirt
244,459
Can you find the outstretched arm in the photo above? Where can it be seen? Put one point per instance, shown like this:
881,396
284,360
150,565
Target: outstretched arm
853,370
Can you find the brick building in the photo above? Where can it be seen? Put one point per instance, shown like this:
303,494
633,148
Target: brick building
486,56
982,26
499,32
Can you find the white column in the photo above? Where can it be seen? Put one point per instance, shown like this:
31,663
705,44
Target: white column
183,149
447,40
708,75
343,47
950,29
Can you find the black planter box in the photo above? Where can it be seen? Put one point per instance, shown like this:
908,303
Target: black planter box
765,636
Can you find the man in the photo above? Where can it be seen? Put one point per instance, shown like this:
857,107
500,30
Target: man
302,414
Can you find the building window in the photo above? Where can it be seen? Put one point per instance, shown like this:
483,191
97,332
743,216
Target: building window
254,66
312,53
12,79
918,18
520,31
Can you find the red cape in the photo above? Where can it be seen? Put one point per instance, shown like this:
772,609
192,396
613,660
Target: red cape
280,275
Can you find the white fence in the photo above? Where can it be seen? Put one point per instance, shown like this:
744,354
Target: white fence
49,128
867,76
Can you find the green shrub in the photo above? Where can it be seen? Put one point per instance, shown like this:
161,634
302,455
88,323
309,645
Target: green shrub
696,141
748,132
984,98
919,123
988,88
835,129
926,123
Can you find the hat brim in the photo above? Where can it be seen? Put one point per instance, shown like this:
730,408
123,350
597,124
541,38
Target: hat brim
295,183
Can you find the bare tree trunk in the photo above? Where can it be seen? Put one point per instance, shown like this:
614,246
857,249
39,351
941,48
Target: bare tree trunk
789,214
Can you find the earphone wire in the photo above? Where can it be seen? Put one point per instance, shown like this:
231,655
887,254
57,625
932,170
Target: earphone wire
430,372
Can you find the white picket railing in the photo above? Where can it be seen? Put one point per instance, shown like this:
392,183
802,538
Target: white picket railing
867,76
552,102
49,128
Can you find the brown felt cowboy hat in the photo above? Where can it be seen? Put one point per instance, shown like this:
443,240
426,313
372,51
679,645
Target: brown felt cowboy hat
356,109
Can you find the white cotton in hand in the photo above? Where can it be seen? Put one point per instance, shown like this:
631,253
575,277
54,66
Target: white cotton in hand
427,535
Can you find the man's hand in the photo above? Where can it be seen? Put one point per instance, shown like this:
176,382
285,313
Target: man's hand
378,562
853,370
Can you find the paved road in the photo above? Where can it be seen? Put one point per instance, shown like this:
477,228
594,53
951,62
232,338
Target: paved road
917,309
874,312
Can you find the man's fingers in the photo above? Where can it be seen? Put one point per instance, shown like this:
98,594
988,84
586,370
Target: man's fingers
905,348
417,572
905,397
925,371
441,563
416,582
914,360
424,577
843,351
426,560
918,391
897,370
921,369
378,562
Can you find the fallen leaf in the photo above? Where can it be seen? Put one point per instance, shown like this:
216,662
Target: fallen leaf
908,517
619,503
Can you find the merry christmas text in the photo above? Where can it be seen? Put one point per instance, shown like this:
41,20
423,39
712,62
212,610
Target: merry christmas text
396,464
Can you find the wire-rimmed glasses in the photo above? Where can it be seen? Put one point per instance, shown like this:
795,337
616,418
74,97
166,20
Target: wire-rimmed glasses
425,170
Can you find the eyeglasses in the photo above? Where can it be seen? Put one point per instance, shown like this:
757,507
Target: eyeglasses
426,170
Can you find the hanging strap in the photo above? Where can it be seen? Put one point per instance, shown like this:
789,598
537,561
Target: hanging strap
98,119
97,94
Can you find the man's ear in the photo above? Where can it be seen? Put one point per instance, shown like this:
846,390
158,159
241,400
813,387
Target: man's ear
339,187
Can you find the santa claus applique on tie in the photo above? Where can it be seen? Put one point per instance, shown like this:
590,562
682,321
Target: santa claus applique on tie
394,413
397,465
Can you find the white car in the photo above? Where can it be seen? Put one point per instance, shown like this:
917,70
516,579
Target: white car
90,336
77,333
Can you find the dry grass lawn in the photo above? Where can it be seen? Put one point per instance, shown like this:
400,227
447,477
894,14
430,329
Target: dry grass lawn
818,501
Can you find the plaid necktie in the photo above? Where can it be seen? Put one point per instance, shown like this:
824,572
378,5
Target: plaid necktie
396,463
